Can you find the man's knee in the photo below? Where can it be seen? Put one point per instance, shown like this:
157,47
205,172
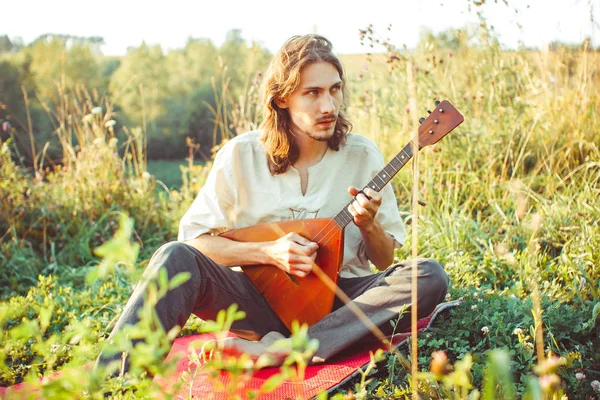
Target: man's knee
175,257
434,276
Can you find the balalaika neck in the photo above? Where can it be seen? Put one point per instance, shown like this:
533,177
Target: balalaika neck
382,178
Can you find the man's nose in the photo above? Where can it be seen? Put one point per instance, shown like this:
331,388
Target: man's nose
327,104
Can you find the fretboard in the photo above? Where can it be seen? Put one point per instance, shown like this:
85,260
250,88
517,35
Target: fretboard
382,178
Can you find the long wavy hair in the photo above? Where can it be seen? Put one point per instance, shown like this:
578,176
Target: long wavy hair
283,78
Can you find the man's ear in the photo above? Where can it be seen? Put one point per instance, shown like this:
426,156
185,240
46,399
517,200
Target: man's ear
281,103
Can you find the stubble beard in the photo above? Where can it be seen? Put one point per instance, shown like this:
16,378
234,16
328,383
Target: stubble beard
321,137
322,134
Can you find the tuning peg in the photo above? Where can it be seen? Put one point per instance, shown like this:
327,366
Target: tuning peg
421,120
429,111
437,103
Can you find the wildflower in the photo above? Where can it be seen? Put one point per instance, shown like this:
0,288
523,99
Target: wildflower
5,126
448,296
96,110
110,123
550,364
439,363
596,386
474,307
146,175
549,382
518,331
580,376
485,330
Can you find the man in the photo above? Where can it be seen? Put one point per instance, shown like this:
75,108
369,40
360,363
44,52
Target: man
302,164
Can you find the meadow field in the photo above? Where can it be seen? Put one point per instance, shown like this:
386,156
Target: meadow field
508,203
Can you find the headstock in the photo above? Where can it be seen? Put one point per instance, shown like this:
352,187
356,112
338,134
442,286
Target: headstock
443,119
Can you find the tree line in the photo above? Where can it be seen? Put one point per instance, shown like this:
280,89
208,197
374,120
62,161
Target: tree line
170,96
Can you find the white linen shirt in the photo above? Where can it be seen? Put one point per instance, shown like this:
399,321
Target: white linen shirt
240,191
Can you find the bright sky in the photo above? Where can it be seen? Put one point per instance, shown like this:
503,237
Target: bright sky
125,23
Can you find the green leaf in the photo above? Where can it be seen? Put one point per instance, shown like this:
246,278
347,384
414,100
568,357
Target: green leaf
179,279
163,278
534,392
272,383
91,276
591,324
45,315
26,330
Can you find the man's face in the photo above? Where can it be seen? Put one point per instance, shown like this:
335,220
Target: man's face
315,104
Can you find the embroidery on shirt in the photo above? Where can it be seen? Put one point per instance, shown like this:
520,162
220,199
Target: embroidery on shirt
303,213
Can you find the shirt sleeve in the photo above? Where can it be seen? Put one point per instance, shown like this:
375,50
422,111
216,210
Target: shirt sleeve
211,211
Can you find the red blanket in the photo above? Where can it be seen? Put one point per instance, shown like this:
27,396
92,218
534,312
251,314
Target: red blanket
318,378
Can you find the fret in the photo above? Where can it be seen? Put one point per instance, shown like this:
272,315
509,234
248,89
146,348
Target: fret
390,174
403,157
347,216
344,217
381,179
374,186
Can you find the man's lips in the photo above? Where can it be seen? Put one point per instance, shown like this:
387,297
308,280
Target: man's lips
326,121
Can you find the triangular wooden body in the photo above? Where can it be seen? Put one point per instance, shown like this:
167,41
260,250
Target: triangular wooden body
307,299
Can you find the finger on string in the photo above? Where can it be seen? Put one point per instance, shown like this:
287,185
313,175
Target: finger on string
352,210
299,239
363,202
303,250
360,210
303,267
373,194
363,193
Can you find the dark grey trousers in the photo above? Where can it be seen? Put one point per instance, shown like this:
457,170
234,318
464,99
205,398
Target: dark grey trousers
212,287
